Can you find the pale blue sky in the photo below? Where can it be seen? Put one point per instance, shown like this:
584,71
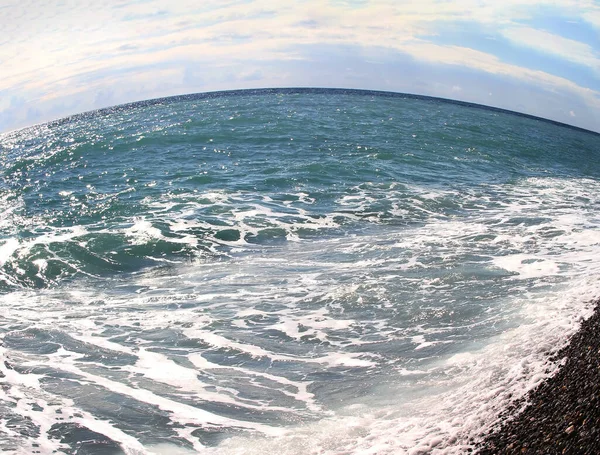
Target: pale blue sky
540,57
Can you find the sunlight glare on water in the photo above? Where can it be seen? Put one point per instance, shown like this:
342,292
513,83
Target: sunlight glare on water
286,273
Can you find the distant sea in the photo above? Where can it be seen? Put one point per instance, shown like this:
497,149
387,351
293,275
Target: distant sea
286,272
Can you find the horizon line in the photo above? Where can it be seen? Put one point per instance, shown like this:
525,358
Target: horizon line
288,90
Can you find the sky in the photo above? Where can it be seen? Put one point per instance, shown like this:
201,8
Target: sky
61,57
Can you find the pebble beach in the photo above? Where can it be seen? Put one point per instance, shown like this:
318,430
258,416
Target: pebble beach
562,415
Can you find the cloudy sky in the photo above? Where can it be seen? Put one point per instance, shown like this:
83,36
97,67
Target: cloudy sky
59,57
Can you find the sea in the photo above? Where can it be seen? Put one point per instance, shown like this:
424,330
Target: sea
287,271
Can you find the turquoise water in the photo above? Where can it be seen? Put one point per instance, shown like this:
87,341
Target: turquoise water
286,272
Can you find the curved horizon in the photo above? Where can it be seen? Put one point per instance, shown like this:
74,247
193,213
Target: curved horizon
341,239
291,91
540,57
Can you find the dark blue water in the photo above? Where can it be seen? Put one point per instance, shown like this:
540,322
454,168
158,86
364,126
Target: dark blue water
286,272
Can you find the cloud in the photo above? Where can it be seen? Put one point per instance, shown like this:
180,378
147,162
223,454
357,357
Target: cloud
113,52
470,58
593,17
549,43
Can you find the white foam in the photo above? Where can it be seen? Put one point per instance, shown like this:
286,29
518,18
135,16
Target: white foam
330,316
331,359
24,390
142,231
301,395
7,250
527,266
63,360
462,403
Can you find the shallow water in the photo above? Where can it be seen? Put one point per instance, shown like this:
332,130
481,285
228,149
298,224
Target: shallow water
286,273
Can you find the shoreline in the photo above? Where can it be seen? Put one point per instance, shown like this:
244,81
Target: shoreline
562,414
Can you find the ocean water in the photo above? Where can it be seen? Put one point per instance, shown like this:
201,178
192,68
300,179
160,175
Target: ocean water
286,272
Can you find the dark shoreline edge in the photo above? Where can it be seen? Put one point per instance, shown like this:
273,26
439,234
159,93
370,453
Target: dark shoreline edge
562,414
292,91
